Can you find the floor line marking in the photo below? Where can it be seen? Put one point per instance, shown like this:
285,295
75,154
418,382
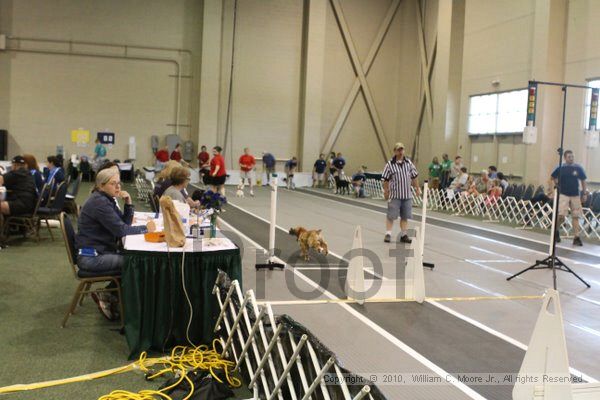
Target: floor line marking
447,309
382,211
391,338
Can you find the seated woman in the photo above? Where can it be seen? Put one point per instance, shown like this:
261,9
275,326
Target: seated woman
163,179
481,185
100,226
180,177
34,170
21,196
54,173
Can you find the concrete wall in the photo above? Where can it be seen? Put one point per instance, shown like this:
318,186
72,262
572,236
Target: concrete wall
51,94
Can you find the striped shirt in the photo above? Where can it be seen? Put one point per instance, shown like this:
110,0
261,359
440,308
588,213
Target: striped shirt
399,174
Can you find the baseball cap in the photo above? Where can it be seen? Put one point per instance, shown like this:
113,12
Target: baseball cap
18,160
398,145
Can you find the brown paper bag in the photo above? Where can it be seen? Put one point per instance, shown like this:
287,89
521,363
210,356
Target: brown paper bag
173,227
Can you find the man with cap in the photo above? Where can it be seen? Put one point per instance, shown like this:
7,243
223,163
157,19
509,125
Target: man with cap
21,195
399,174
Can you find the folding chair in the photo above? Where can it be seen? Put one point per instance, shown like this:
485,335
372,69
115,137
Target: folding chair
85,279
29,222
54,208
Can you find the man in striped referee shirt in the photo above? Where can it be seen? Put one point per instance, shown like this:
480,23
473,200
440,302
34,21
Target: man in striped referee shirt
398,176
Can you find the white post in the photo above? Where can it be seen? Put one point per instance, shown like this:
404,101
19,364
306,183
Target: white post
273,219
554,219
355,280
423,218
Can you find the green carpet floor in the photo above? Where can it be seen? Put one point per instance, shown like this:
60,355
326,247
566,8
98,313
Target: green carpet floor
36,286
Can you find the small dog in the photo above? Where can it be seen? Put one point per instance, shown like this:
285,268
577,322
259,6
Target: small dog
309,239
342,185
240,190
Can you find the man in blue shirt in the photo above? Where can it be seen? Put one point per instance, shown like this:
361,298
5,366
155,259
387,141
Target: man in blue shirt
339,163
268,165
567,179
319,171
290,169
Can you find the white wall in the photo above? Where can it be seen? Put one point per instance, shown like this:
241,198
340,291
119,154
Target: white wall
52,94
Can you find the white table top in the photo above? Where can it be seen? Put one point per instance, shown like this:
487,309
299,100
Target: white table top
137,243
125,166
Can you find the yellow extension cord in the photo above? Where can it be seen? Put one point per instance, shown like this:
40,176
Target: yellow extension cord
180,362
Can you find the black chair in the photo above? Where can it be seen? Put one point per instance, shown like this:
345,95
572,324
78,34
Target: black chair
29,222
595,203
509,190
538,191
528,194
518,193
54,207
70,203
86,169
85,279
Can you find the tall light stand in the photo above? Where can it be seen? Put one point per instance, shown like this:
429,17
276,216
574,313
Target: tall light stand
552,261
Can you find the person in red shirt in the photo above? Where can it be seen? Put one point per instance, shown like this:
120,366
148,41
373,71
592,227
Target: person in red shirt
218,174
204,165
247,164
162,156
176,154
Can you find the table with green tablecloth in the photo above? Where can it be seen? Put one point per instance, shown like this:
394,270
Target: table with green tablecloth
154,286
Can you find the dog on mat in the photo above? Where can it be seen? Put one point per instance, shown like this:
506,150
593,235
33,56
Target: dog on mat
307,240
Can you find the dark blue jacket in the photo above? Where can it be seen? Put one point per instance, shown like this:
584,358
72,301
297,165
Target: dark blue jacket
38,178
101,224
58,176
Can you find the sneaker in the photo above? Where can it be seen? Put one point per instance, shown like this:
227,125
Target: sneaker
387,238
405,239
577,241
103,306
251,193
557,237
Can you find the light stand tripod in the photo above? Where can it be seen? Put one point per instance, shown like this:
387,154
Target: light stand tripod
552,261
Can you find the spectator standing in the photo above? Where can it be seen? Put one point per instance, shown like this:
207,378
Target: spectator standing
567,178
268,165
204,164
34,170
162,157
247,163
290,169
339,163
218,174
435,171
176,153
399,174
492,172
456,168
358,182
446,167
319,171
99,154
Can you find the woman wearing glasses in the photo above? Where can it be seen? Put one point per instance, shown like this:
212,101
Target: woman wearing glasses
100,226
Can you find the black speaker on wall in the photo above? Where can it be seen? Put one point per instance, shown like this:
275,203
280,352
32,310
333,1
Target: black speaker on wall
3,144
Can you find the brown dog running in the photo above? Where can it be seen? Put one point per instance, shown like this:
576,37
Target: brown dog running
309,239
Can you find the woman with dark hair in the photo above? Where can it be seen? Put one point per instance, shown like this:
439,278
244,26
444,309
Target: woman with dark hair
34,170
54,172
218,174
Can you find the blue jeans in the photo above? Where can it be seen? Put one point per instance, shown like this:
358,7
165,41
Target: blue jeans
103,264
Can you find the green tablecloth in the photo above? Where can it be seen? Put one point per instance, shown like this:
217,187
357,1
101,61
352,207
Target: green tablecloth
156,309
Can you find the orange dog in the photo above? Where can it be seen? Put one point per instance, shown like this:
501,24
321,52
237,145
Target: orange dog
309,239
